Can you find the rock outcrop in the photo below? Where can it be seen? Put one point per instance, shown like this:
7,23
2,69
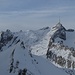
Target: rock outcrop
5,38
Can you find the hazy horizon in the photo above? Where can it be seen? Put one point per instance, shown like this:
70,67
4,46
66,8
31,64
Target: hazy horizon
34,14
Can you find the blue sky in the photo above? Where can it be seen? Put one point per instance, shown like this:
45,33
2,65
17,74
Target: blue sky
33,14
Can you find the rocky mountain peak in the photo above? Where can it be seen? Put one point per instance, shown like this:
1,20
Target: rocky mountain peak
61,50
58,26
58,31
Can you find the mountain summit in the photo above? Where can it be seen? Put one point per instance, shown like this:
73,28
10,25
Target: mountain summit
61,47
39,52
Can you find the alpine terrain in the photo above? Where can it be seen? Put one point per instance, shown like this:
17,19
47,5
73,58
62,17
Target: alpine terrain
47,51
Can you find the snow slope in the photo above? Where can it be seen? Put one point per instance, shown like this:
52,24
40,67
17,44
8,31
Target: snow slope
44,67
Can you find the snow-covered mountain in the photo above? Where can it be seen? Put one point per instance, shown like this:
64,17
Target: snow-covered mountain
47,51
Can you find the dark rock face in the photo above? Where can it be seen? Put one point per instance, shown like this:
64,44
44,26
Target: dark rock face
57,59
23,72
5,37
44,28
70,30
60,32
61,61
